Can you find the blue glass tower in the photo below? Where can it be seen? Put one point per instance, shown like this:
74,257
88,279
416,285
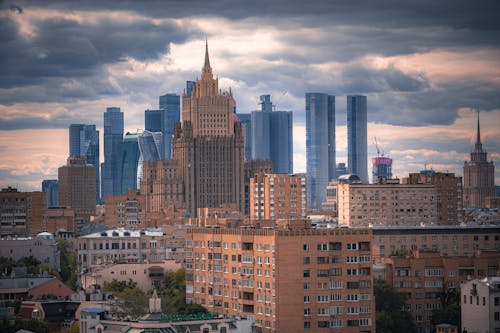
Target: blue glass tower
153,120
84,142
272,136
113,139
51,189
357,155
246,121
129,162
170,104
190,87
320,146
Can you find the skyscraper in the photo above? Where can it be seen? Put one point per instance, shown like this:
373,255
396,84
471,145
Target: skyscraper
272,136
149,149
153,120
381,169
51,189
170,103
84,142
320,146
129,163
190,87
209,146
357,156
479,175
246,121
113,139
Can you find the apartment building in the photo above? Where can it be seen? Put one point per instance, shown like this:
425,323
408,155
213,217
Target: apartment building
299,280
448,240
426,276
58,218
21,213
125,210
480,305
278,196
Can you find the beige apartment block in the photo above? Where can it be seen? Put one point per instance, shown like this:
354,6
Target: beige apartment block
480,305
426,276
21,212
298,280
253,168
386,204
447,240
278,196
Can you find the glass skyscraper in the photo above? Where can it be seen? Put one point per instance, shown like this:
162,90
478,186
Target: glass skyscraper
113,139
51,189
171,106
320,146
357,155
190,87
272,136
246,121
84,142
129,163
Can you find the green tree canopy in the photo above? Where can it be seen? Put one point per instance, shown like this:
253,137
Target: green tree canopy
390,314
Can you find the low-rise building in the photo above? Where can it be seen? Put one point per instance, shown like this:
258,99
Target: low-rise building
480,305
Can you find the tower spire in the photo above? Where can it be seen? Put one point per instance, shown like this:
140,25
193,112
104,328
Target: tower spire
478,137
207,59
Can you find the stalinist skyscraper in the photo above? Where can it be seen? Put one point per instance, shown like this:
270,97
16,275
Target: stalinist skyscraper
209,146
479,175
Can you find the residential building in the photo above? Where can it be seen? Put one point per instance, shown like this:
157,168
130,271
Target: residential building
272,136
298,280
113,139
278,196
320,146
357,155
246,121
170,104
125,211
427,278
58,315
21,212
128,166
479,175
84,142
448,240
209,146
253,168
77,188
381,169
385,204
58,218
480,305
449,193
42,247
51,189
33,287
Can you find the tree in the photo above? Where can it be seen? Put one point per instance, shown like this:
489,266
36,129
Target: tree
390,314
134,301
450,312
173,295
68,263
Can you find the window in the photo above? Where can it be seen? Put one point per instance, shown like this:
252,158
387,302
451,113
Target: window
306,260
306,299
305,247
307,286
307,273
352,246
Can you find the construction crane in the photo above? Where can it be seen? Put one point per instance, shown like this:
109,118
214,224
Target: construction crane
275,105
378,149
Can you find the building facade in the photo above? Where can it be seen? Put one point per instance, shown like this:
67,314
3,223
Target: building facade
480,305
84,142
272,136
21,212
51,189
320,146
381,169
209,146
253,168
278,196
246,121
479,176
128,165
77,188
113,139
357,154
170,104
125,211
59,219
291,281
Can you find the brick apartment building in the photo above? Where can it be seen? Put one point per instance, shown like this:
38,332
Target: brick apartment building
300,280
21,212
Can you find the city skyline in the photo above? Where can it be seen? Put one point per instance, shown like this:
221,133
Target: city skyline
423,68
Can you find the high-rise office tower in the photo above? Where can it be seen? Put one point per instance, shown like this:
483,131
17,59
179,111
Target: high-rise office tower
51,189
479,175
320,146
381,169
149,149
246,121
272,136
209,146
129,163
357,155
113,139
340,170
77,188
190,87
170,104
84,142
153,120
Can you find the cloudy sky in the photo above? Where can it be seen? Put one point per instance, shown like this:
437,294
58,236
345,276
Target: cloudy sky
423,65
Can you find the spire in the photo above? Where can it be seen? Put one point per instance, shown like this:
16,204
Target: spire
478,137
207,59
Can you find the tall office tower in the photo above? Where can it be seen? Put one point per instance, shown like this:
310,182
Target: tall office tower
190,87
22,212
84,142
320,146
51,189
77,188
209,146
170,104
149,149
153,120
381,169
357,155
113,139
272,136
340,170
479,175
246,121
129,163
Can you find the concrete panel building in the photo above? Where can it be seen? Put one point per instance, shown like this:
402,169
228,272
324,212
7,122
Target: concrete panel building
480,305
